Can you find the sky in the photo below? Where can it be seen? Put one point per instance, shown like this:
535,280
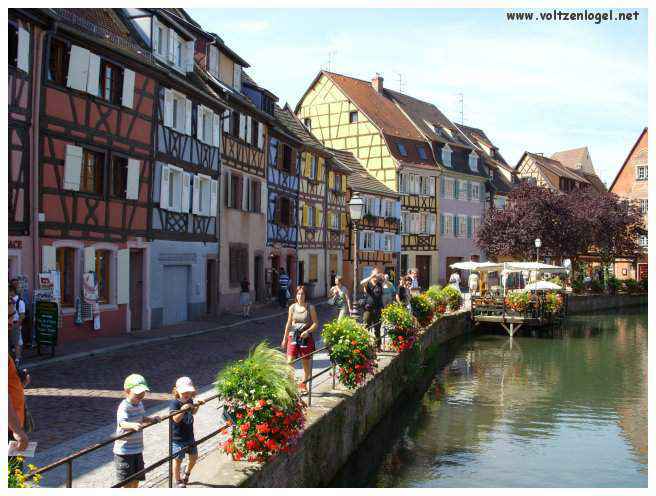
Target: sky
536,86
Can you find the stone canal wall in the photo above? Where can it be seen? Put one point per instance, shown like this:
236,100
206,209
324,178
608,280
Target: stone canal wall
593,303
337,422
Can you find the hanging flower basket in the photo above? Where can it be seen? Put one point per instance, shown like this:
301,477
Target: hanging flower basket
351,349
401,326
422,309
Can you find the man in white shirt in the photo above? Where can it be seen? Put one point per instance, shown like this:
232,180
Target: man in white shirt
16,336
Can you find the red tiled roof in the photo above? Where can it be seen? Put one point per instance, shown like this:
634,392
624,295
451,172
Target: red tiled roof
556,167
571,158
626,160
104,18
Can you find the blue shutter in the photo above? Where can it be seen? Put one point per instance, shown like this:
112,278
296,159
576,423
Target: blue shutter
456,189
469,192
442,224
442,187
397,243
455,225
469,227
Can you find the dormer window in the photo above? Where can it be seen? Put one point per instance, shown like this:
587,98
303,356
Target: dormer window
308,123
353,117
401,148
446,155
172,48
421,151
473,161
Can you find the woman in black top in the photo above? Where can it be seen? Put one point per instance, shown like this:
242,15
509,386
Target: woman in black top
245,298
403,294
373,288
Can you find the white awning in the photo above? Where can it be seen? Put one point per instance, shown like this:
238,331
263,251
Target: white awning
533,266
542,286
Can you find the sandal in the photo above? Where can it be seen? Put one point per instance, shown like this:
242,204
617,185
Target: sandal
185,478
180,484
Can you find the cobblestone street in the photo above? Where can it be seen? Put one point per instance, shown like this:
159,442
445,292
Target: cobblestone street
71,399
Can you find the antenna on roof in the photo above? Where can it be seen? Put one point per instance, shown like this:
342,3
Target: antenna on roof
461,101
402,83
330,59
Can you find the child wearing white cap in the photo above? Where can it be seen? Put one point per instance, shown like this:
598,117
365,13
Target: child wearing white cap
183,428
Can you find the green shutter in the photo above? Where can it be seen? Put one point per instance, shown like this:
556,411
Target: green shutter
469,227
442,187
456,189
469,192
455,225
442,224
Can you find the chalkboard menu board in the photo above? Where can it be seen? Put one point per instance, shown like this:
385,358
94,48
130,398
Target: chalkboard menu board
46,317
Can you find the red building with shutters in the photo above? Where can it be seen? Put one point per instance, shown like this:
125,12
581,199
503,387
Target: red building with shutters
94,165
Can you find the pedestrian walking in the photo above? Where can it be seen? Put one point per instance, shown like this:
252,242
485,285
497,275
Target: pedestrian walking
339,295
283,289
298,338
183,429
16,333
389,290
414,277
403,293
245,298
333,276
373,288
131,416
454,280
472,282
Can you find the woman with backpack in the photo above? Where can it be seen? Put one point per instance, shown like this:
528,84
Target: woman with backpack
340,298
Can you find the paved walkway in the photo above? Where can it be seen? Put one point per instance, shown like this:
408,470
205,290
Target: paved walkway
74,401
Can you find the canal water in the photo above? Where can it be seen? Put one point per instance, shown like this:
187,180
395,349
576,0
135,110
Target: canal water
566,408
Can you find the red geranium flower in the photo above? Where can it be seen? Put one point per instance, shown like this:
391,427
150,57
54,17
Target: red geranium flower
245,426
262,428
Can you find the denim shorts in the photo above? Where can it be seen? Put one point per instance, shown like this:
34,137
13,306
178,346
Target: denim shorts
178,445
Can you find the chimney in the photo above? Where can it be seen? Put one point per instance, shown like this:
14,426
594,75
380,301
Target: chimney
377,83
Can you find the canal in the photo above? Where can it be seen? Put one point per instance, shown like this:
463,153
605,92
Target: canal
561,409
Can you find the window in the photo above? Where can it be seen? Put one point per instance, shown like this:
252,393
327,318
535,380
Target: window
273,152
66,269
103,258
235,191
234,128
238,263
286,158
254,131
162,40
462,190
313,268
446,155
448,224
388,242
179,112
205,123
111,82
313,167
641,173
643,241
500,202
368,240
176,49
311,216
308,123
643,207
256,196
388,208
476,224
13,44
473,161
119,176
58,61
353,117
475,191
462,226
450,183
402,150
91,180
421,151
404,222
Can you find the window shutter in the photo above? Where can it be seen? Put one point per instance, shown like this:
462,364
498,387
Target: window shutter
123,276
48,258
72,167
154,38
442,187
188,117
226,121
260,135
456,189
431,186
132,189
189,56
171,37
376,207
237,77
431,224
319,216
214,197
23,49
397,209
264,200
469,227
455,225
168,108
331,180
242,126
164,188
216,130
320,169
78,68
195,196
89,259
469,190
249,129
93,76
304,215
127,99
244,192
442,224
200,111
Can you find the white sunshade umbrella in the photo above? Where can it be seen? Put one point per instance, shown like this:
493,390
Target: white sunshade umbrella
476,266
533,266
542,286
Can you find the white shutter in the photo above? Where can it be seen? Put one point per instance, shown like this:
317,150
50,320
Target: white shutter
78,68
216,130
397,209
214,197
226,121
89,259
249,129
93,76
260,135
132,190
264,197
155,39
48,258
189,56
23,61
237,77
431,186
200,110
376,207
431,223
128,88
195,204
168,108
171,37
186,186
214,61
72,168
242,126
123,276
397,243
164,188
187,116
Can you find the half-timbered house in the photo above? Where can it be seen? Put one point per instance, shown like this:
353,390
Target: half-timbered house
378,232
350,114
95,157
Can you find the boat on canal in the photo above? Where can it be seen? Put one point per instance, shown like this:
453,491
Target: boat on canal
521,297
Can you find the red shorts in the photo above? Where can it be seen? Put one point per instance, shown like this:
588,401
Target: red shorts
294,351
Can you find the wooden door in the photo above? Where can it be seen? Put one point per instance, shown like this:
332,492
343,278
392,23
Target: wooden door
423,266
258,277
210,288
136,289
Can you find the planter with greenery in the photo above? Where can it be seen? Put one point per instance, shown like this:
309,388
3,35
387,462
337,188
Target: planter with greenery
422,309
351,349
452,297
518,302
17,476
400,325
437,298
553,302
262,401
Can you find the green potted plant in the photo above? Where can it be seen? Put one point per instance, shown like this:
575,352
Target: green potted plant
400,326
422,309
352,349
452,297
518,302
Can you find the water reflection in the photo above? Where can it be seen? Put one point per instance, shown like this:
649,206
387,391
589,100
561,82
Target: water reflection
564,408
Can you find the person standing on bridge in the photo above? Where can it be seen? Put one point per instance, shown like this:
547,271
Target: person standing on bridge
283,288
183,428
302,321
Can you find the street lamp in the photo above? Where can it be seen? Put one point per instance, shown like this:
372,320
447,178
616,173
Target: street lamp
356,205
538,244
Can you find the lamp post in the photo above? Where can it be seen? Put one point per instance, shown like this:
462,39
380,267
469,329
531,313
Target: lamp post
538,244
356,206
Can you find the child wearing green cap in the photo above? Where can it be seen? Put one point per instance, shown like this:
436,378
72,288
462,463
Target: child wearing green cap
131,416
